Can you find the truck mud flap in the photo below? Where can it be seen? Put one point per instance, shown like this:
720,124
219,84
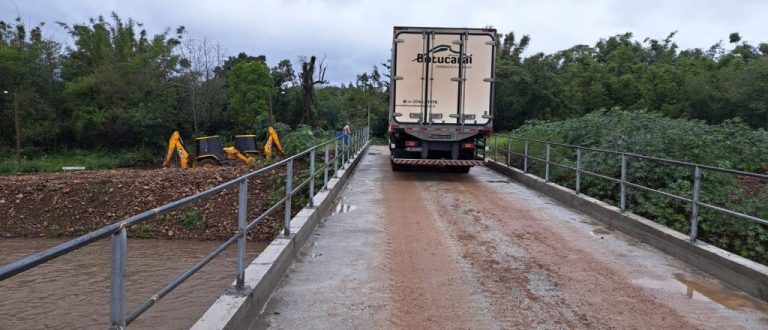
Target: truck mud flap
438,162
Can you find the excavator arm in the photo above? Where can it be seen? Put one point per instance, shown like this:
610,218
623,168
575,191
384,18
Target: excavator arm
272,138
175,144
233,153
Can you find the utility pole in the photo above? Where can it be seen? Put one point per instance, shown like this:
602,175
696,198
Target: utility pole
18,136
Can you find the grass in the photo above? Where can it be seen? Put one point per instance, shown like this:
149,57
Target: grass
91,160
191,220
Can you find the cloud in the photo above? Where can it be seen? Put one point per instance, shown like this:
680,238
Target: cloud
356,34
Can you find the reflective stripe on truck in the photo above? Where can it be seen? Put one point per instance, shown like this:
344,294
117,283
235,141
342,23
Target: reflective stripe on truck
438,162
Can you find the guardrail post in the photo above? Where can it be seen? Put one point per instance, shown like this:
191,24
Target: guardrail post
119,274
288,195
495,147
525,158
336,158
325,167
349,148
509,151
578,171
312,178
623,205
355,139
242,215
695,204
546,164
344,151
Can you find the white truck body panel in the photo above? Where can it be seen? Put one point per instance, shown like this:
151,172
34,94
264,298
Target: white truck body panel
443,76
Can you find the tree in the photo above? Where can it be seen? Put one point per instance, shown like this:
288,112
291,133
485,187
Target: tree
118,83
249,88
308,82
29,71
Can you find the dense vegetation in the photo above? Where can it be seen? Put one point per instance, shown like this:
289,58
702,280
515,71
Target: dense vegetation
119,87
714,84
731,144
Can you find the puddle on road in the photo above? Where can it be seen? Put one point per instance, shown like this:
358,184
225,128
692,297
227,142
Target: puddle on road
703,290
343,207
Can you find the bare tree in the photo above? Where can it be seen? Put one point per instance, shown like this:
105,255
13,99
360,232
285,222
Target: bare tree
308,82
200,57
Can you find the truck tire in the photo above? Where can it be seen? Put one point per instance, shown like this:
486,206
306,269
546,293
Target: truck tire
396,168
463,169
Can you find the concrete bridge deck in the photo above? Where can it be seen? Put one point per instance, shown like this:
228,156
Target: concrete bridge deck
431,249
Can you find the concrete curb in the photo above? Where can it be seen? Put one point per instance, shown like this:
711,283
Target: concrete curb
263,275
744,274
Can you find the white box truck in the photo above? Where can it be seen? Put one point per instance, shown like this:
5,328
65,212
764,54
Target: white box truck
441,96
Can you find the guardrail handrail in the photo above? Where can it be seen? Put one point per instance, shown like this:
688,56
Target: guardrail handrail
350,145
695,198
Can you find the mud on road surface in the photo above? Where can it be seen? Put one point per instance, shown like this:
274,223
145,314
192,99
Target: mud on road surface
459,251
71,204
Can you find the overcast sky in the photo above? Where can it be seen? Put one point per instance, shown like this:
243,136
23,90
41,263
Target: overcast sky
355,35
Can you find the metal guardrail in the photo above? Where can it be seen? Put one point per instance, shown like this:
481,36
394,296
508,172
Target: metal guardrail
694,200
344,148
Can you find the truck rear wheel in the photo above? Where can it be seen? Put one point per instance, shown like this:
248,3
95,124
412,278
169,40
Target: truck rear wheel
463,169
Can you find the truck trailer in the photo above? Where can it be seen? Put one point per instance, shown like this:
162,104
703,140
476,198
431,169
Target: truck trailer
441,96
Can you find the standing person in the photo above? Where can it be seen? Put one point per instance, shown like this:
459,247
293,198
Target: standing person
346,131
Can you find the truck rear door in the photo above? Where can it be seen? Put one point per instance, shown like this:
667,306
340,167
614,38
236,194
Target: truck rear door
477,93
408,90
443,59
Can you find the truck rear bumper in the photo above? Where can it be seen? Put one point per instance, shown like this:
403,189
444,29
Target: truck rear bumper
438,162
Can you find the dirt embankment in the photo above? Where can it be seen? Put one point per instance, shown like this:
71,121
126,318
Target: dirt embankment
71,204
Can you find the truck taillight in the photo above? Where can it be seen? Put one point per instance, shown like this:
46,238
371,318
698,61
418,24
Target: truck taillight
411,143
468,145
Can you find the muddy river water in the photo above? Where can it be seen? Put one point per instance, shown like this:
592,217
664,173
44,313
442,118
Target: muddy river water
72,292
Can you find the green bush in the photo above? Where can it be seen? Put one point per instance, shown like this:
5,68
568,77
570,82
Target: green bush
303,138
191,220
731,144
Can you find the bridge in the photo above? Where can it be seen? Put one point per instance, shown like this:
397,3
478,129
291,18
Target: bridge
495,248
433,249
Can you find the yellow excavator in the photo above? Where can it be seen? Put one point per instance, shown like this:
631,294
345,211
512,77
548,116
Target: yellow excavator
272,138
211,153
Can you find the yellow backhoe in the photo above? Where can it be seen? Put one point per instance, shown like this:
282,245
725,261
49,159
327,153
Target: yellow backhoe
211,153
247,144
272,138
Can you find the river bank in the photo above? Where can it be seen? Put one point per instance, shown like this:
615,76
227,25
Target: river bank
71,204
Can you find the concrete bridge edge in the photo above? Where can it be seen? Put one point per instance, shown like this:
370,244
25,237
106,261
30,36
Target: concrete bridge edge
737,271
238,310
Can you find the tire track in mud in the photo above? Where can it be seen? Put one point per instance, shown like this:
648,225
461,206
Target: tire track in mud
524,265
428,288
503,271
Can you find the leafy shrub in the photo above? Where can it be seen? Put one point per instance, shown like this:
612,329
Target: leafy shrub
731,144
191,220
303,138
